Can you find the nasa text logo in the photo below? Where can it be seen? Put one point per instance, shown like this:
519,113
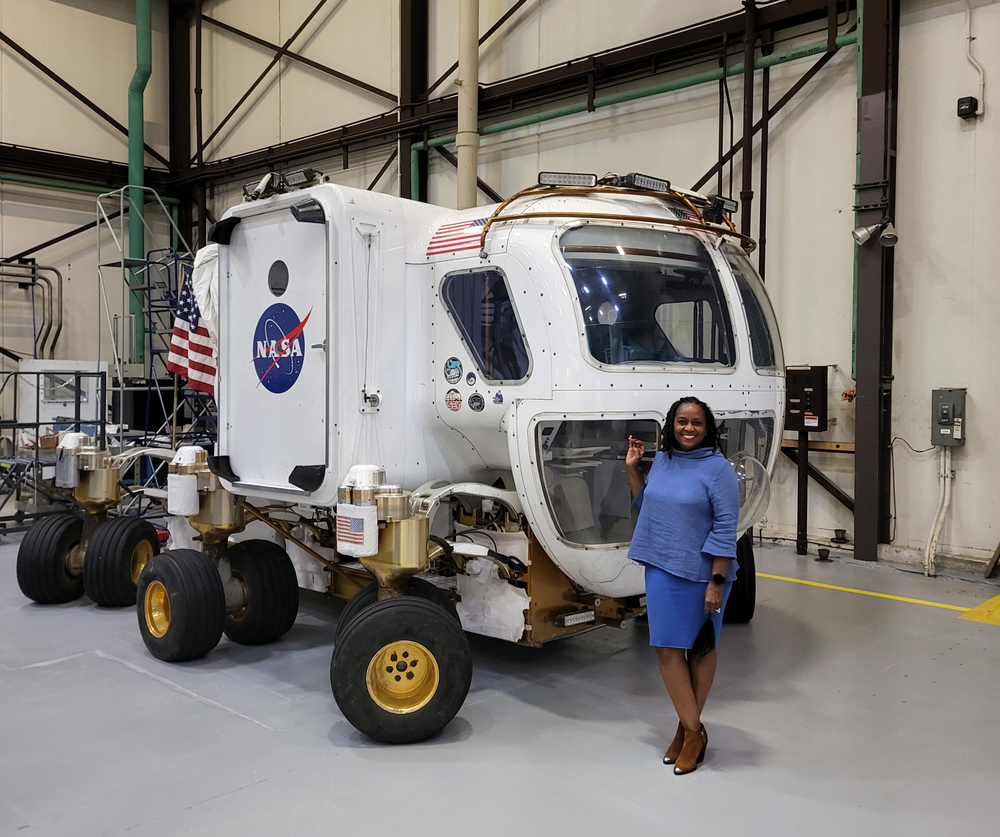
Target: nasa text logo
279,345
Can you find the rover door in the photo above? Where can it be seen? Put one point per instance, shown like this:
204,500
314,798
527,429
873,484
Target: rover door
275,359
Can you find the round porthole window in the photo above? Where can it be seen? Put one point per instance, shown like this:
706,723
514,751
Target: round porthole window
277,278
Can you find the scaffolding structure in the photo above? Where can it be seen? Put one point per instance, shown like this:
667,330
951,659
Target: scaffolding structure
150,406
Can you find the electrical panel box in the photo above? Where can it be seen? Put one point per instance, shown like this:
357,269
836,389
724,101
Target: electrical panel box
806,391
968,107
948,417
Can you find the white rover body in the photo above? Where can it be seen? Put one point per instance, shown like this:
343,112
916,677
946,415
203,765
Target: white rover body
494,362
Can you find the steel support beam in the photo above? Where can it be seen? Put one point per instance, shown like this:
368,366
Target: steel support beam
383,170
489,32
823,480
558,83
876,196
179,103
806,77
56,240
749,59
76,94
37,162
282,51
484,187
414,58
308,62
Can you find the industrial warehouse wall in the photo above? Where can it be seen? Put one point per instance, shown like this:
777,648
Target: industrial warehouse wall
946,297
90,44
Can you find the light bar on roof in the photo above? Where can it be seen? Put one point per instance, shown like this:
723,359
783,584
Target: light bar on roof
634,180
566,178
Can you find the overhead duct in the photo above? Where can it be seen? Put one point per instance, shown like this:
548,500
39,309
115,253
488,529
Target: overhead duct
467,138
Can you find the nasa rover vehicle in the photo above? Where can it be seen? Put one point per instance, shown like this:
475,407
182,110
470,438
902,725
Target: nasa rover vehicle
435,405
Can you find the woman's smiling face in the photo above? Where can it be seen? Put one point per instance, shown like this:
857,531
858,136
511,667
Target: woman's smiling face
689,426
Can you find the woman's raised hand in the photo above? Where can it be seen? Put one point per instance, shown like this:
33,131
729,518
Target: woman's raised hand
636,448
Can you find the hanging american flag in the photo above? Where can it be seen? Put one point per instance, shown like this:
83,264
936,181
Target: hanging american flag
191,352
350,529
451,238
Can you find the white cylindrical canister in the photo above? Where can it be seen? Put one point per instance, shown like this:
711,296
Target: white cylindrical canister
182,494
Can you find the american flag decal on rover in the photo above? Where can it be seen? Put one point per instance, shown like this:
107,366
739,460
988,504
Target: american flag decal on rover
350,529
684,213
453,238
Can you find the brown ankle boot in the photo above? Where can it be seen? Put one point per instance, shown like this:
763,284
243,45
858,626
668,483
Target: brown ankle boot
674,750
693,752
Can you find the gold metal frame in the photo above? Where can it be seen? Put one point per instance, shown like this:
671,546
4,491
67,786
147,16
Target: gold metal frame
668,198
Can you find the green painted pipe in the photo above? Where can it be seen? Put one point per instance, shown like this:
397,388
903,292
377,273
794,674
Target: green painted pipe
136,165
667,86
69,186
45,183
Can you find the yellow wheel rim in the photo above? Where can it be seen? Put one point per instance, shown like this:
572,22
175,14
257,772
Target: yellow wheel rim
140,555
403,677
157,609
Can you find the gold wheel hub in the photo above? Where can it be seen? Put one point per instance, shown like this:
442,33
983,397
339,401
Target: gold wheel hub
403,677
156,607
140,555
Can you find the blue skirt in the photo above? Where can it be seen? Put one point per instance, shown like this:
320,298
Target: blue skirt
676,609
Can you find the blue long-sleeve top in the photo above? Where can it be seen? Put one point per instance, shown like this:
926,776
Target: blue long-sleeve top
687,514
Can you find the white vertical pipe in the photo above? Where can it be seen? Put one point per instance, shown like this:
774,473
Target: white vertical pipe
467,138
931,539
975,63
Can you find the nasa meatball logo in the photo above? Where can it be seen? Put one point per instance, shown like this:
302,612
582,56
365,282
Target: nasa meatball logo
279,345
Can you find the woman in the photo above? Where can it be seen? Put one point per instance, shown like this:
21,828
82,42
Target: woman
686,539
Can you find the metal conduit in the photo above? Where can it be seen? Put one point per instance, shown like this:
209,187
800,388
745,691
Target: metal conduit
668,86
52,300
20,279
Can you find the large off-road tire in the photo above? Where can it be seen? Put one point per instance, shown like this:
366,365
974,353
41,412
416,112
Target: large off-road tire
743,596
272,592
45,570
181,605
116,556
367,596
401,670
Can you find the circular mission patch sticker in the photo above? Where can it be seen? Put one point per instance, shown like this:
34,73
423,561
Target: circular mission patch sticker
453,400
279,345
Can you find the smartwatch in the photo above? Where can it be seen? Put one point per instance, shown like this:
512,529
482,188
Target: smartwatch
718,578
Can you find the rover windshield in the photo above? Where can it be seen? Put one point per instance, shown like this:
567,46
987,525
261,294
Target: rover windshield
583,470
648,297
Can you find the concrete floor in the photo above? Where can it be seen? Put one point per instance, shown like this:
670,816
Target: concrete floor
833,713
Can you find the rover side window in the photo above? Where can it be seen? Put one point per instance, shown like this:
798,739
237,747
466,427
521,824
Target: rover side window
648,296
582,464
483,310
765,342
754,435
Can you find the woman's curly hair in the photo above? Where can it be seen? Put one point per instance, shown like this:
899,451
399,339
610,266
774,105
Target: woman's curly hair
668,441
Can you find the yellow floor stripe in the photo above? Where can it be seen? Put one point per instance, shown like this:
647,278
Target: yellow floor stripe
964,610
988,612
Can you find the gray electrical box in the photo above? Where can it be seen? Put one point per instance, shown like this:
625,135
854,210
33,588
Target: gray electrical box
948,417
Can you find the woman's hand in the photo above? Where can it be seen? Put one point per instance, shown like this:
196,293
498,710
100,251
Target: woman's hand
713,598
636,449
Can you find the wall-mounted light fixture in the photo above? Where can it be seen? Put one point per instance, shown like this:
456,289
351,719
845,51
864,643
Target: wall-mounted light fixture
886,232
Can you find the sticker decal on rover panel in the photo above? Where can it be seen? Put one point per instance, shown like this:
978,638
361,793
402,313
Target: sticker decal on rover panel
476,402
279,344
453,370
470,379
453,399
498,397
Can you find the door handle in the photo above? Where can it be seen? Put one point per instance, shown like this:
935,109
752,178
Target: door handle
319,346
